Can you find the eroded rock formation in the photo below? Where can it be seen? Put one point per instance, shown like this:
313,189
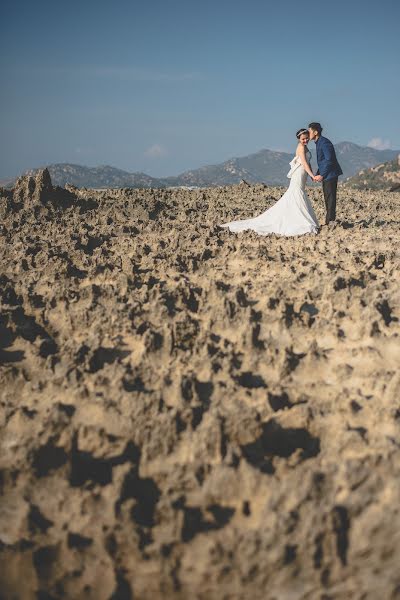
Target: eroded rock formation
192,413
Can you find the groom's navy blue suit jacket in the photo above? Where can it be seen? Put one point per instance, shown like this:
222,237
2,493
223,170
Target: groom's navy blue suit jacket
328,165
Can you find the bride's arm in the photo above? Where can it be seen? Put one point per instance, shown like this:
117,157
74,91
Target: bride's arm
302,155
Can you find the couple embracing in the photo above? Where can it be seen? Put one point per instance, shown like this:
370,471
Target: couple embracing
293,214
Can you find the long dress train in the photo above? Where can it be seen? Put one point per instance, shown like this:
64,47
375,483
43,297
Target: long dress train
292,214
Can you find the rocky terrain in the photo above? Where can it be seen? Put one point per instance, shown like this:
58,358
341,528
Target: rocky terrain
385,176
189,413
264,166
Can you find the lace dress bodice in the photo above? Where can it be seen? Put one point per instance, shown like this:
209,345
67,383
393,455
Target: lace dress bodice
296,162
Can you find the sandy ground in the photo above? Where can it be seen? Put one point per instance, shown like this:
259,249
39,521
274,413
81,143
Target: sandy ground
190,413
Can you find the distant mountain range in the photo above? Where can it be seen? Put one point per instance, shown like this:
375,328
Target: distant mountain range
7,183
381,177
264,166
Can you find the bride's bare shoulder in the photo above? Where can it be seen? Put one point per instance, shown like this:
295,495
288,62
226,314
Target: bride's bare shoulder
300,150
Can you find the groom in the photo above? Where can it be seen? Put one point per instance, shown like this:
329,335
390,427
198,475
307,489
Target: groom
328,169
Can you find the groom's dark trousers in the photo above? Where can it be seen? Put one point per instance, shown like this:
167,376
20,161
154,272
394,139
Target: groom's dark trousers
329,187
330,170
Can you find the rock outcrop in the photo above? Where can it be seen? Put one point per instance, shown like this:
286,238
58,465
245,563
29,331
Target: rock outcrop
37,192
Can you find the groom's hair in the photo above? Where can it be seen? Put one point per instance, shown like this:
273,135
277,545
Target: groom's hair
316,127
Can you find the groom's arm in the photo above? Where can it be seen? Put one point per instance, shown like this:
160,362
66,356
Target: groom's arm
328,160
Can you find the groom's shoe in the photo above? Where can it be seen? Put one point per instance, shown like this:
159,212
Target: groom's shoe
332,224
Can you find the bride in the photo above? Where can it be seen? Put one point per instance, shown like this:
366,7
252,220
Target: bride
293,213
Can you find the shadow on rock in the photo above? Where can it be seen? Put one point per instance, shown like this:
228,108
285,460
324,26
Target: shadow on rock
275,440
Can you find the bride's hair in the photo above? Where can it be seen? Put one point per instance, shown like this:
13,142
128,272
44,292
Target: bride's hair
300,132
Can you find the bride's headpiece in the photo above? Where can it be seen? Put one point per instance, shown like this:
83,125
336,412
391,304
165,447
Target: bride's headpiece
300,132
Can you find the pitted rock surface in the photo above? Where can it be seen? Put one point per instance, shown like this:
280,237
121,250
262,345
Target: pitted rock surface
193,413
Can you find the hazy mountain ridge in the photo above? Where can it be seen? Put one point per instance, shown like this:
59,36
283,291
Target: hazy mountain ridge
271,167
7,183
265,166
383,176
103,176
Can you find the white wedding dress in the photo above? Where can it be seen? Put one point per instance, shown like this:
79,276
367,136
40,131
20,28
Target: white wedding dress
292,214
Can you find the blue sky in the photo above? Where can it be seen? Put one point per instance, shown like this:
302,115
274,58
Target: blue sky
162,87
